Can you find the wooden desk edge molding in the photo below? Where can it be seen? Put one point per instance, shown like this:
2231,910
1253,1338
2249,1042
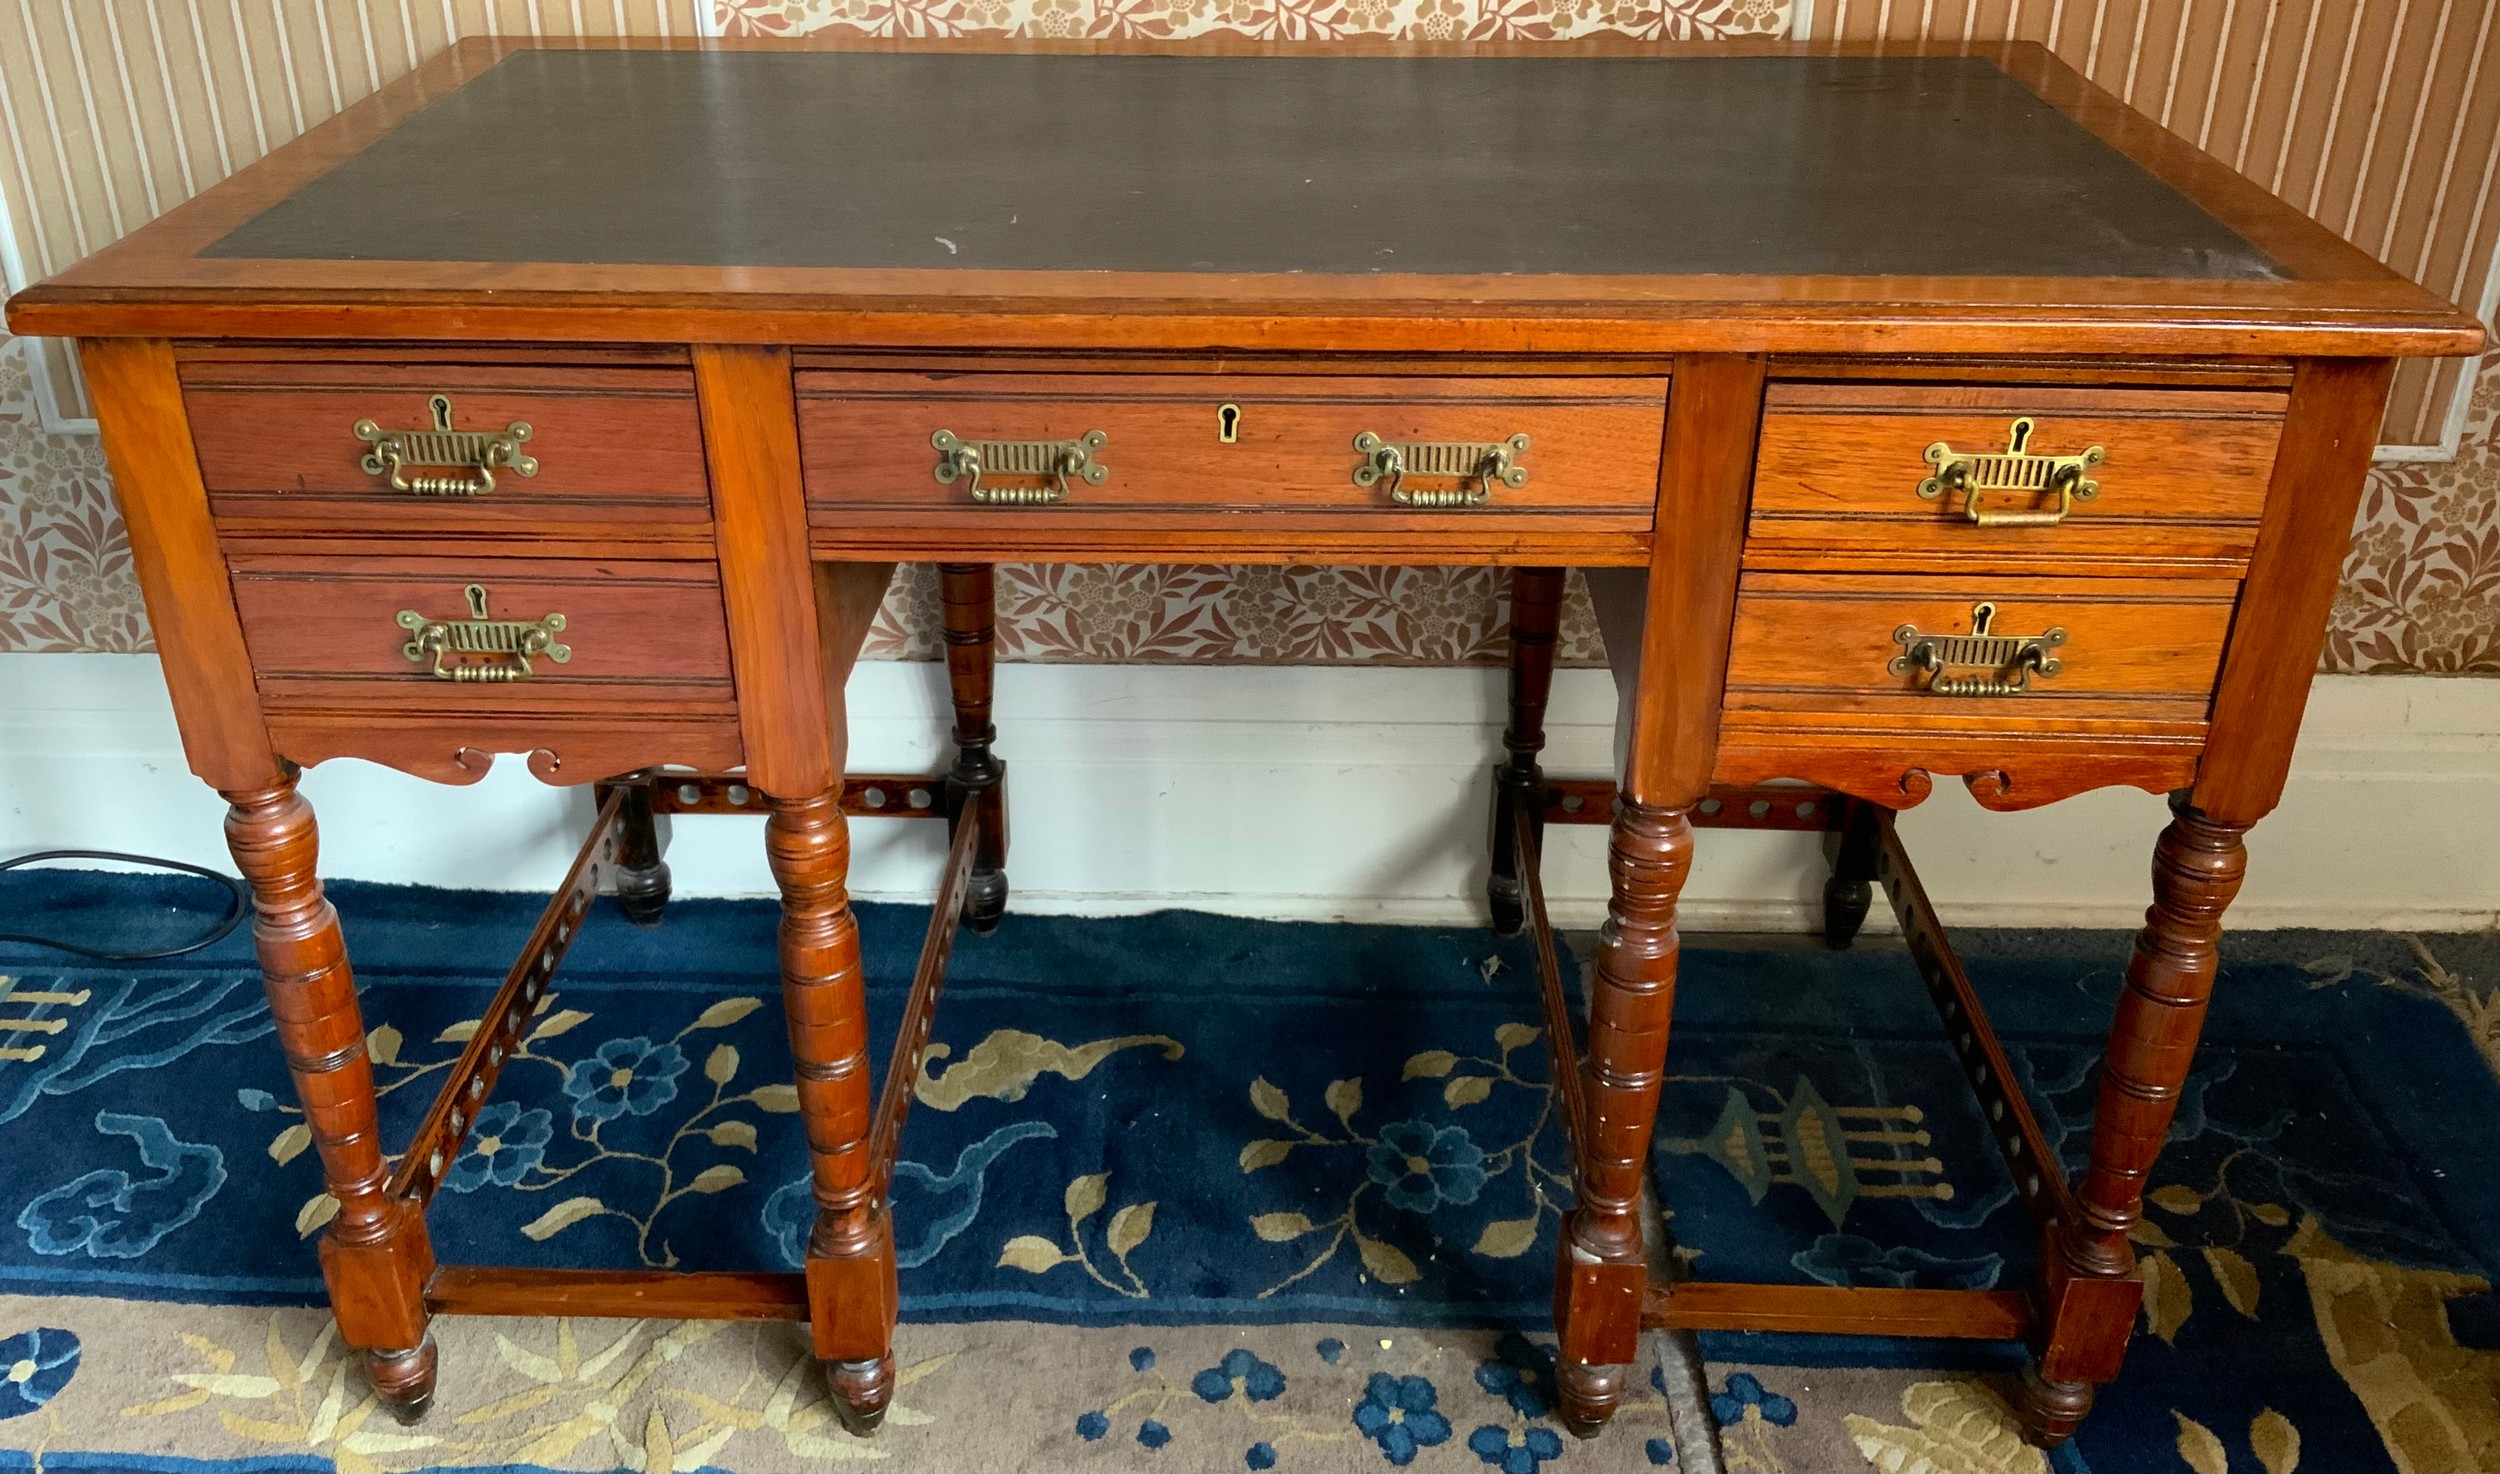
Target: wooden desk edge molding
1856,526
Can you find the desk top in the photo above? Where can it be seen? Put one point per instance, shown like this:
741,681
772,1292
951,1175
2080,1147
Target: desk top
1596,166
1470,197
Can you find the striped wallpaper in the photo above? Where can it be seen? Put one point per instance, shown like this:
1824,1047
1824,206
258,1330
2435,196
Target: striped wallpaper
117,110
2381,118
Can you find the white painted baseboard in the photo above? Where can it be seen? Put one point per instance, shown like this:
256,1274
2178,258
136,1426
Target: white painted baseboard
1315,793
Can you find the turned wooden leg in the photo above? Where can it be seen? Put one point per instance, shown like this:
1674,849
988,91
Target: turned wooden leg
1535,613
641,875
1851,888
1604,1272
851,1292
2089,1288
374,1253
969,594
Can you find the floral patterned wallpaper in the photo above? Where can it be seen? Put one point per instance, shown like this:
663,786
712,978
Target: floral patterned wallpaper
2421,586
65,577
1296,20
2422,582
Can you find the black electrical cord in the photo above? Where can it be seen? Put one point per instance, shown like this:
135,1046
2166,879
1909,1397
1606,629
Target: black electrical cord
238,906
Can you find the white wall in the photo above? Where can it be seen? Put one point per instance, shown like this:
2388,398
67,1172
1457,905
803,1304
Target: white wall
1316,792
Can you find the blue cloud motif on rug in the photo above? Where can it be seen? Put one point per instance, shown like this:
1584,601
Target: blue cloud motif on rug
931,1208
130,1023
112,1215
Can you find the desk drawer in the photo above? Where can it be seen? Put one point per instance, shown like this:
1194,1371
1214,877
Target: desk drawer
2039,479
1050,444
318,444
1957,649
406,634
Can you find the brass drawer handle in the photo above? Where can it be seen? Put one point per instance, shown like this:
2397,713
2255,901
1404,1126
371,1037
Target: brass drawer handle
478,453
1482,462
1057,459
2015,471
2010,660
516,640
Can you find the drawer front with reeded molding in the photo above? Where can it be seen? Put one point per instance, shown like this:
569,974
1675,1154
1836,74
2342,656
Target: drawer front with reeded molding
2012,478
344,443
1043,446
1962,650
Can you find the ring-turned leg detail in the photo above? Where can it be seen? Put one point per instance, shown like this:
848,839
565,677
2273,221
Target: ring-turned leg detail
1604,1272
374,1254
642,884
1535,614
851,1293
1851,889
404,1380
861,1390
968,593
1588,1395
2089,1287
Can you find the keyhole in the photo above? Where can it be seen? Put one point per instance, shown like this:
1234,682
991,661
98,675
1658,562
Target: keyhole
1981,616
477,600
440,404
2021,437
1228,423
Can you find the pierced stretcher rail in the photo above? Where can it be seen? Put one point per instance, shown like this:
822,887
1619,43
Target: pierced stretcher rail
902,1070
1703,1305
2039,1177
501,1028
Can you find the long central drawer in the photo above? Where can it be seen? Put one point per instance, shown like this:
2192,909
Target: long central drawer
1037,444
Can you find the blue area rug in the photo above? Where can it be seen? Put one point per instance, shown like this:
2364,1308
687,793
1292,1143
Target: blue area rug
1186,1118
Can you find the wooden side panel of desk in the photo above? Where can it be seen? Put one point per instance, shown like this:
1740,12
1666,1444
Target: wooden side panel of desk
173,549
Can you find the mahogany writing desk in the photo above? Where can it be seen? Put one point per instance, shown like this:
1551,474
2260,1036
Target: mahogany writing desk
1929,414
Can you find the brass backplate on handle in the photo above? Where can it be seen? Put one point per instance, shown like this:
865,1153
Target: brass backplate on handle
1476,465
2009,660
511,641
1060,460
2015,472
476,454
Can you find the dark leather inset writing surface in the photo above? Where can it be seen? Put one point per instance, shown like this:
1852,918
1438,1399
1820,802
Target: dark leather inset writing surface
1579,165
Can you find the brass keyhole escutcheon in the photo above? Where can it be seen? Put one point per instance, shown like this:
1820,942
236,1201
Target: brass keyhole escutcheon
1227,424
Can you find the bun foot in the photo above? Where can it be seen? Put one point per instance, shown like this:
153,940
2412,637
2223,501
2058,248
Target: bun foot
985,900
404,1380
861,1390
1587,1396
2050,1411
642,893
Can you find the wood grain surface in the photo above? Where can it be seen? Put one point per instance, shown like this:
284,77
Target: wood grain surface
1593,442
2134,647
323,634
613,445
2181,485
2330,298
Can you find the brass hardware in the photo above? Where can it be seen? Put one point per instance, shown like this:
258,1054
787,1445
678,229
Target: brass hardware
1482,462
481,453
2017,470
1227,424
2012,659
482,634
1056,459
